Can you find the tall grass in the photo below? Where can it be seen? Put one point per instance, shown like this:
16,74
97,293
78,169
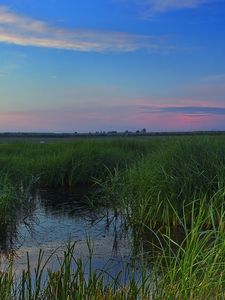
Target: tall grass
177,173
195,267
172,190
192,269
7,195
70,281
63,165
70,164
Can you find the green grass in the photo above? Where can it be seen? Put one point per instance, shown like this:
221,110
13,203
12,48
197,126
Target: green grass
69,282
171,189
176,173
70,164
12,199
193,269
7,194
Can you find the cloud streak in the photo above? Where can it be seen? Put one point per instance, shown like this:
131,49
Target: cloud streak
152,7
25,31
165,5
185,110
115,117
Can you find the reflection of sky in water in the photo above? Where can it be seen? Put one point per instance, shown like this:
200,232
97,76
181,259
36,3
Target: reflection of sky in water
58,218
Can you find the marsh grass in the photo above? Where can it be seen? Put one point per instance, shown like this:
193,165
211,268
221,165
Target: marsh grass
7,195
191,269
14,198
195,267
177,173
70,164
70,281
25,165
173,191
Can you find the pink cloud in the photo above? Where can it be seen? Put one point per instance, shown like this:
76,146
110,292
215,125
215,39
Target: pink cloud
132,116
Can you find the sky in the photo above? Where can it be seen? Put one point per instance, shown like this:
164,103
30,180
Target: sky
101,65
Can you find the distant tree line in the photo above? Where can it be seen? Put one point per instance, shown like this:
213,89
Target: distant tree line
142,132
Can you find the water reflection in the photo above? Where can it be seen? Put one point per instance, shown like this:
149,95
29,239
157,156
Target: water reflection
7,236
10,223
54,218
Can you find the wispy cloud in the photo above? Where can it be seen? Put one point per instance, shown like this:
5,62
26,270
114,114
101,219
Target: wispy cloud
152,7
132,116
25,31
185,110
165,5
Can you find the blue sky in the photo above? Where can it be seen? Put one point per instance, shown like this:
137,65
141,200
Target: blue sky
112,65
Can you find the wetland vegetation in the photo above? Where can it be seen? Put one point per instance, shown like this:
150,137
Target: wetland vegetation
168,190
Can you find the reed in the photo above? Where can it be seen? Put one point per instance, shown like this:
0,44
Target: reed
70,281
194,267
70,164
190,269
170,189
184,170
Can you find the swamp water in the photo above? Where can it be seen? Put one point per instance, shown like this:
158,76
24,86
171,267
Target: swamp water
55,218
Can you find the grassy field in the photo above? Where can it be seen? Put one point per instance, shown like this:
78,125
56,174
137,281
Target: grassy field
69,164
155,189
162,187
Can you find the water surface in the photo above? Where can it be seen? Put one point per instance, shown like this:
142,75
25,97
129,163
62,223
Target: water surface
56,217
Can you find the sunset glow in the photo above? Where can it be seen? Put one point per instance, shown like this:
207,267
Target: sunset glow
112,65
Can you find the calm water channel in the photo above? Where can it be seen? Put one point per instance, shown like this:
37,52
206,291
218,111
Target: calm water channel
52,220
